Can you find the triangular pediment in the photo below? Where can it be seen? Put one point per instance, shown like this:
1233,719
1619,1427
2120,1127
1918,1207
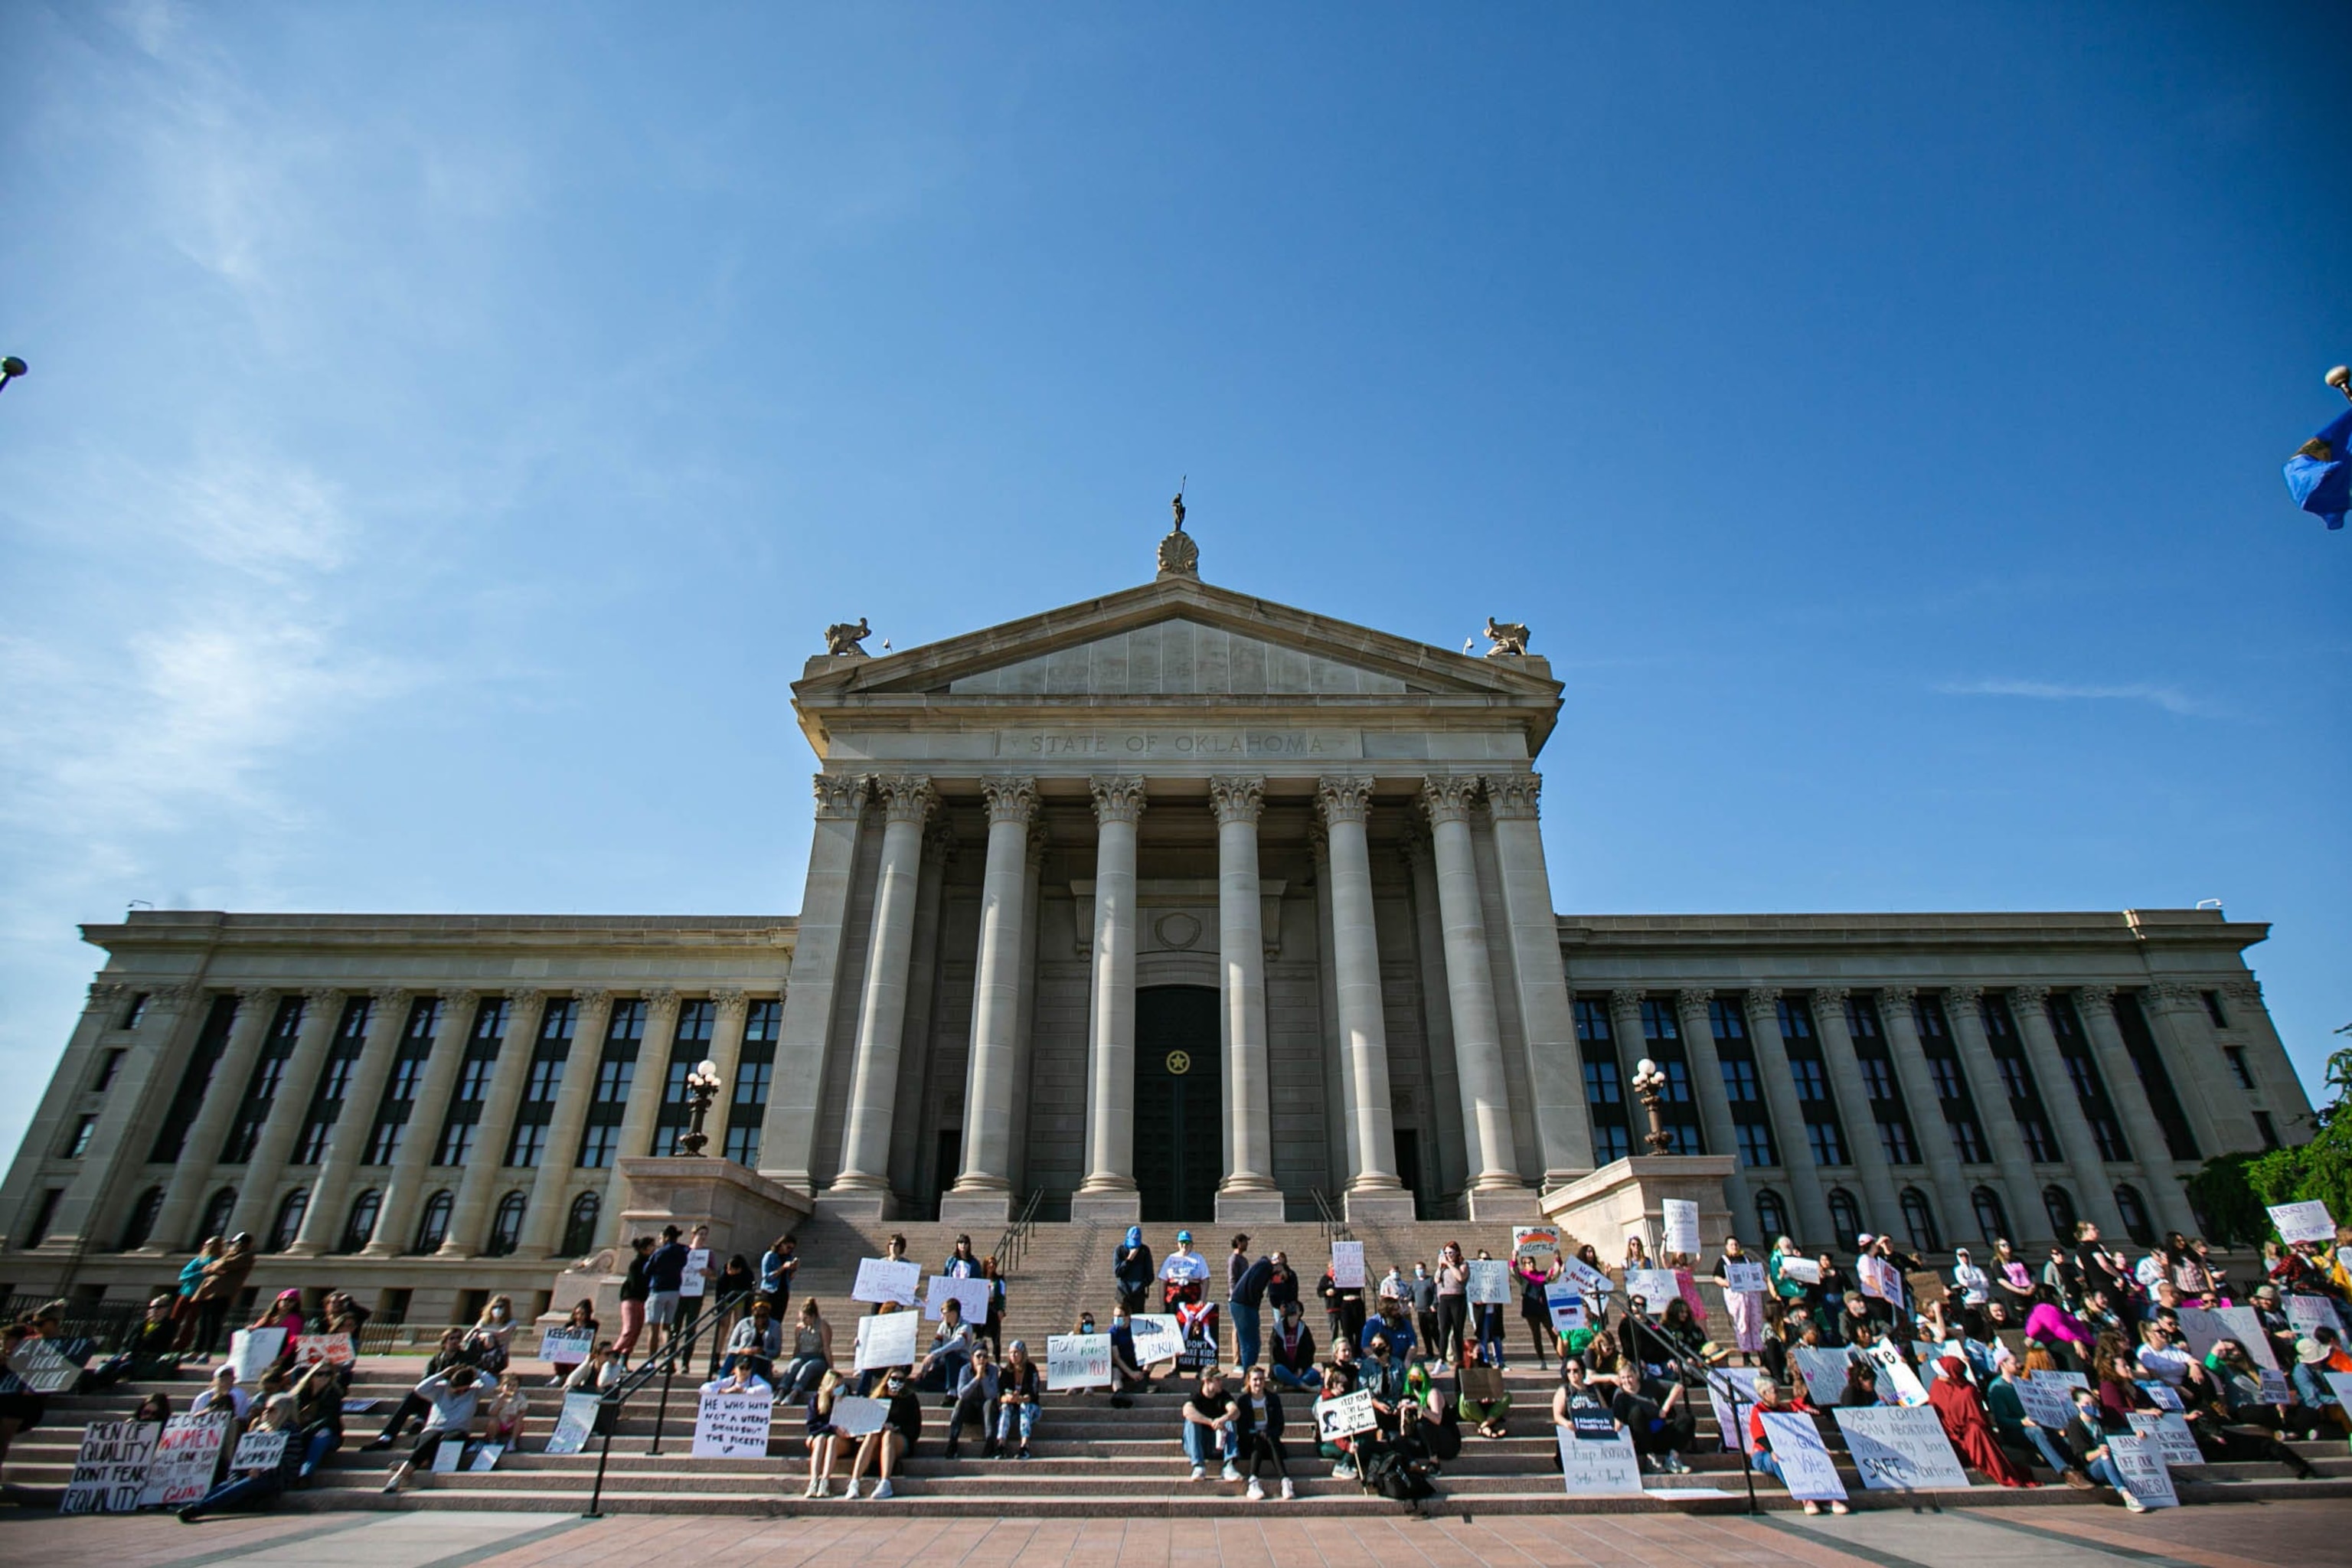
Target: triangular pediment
1180,657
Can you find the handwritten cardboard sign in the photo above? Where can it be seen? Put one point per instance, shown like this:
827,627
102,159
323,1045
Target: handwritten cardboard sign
110,1467
735,1426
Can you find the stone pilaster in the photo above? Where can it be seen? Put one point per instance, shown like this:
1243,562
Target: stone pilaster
788,1131
1562,1126
1247,1196
983,1194
175,1014
1453,1158
865,1178
1109,1194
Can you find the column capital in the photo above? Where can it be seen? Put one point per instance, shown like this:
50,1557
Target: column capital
522,996
2249,991
1764,999
2174,994
1344,797
661,997
906,797
1514,797
590,996
1899,999
1963,995
1236,797
1627,999
1010,799
1119,797
731,1003
841,795
1694,998
453,1004
175,996
318,995
383,999
2030,995
256,996
104,994
2095,999
1449,797
1831,996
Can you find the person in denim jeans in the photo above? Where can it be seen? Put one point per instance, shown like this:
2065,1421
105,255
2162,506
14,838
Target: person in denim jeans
1209,1426
2088,1432
1020,1385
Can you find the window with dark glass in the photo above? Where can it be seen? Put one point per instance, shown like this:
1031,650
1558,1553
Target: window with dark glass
616,1072
755,1070
109,1064
326,1105
290,1211
2059,1204
506,1226
215,1219
143,1214
2212,1000
2039,1145
2135,1215
1845,1219
45,1213
2266,1128
1755,1143
1894,1141
1968,1143
2238,1069
1740,1083
261,1089
360,1228
2075,1050
433,1226
1827,1144
542,1082
2154,1080
211,1040
85,1127
1812,1080
461,1123
689,1045
580,1225
135,1011
1992,1221
1751,1119
1605,1093
1772,1216
1919,1220
406,1079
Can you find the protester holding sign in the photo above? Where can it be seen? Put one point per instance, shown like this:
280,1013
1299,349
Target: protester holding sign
565,1348
894,1439
827,1438
1967,1427
1741,1280
1785,1445
2024,1423
1536,1279
261,1484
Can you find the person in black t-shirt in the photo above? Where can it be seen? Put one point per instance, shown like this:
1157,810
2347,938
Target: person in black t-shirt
1210,1424
895,1440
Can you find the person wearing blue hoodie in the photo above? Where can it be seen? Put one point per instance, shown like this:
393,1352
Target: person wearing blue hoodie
1131,1268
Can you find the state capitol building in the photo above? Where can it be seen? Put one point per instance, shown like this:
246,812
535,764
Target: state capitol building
1172,905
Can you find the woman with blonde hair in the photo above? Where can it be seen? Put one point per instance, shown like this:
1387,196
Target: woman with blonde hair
824,1439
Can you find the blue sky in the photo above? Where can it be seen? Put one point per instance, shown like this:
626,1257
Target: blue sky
449,428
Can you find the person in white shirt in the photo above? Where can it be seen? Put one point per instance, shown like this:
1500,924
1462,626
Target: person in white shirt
742,1380
1974,1286
224,1394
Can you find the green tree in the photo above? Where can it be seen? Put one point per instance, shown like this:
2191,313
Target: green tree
2233,1190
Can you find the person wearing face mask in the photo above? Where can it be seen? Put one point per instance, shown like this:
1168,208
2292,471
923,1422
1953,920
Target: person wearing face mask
491,1335
1125,1373
1131,1270
1291,1357
884,1448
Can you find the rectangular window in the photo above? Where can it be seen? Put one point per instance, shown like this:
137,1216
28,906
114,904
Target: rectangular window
1796,1019
755,1072
2015,1080
1968,1143
85,1128
2110,1139
1945,1074
2214,1009
1812,1083
1658,1020
407,1074
1894,1138
1611,1141
398,1102
743,1143
1686,1138
612,1081
1591,1019
2154,1080
136,1011
108,1066
1829,1149
336,1081
1861,1019
1877,1078
1600,1087
1755,1143
474,1078
2236,1057
311,1147
1726,1021
546,1080
39,1231
2268,1129
456,1144
597,1147
530,1139
266,1077
1739,1084
2037,1139
383,1144
1678,1089
172,1137
2078,1073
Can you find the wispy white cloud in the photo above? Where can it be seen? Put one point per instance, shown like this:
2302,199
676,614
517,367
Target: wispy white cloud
2171,699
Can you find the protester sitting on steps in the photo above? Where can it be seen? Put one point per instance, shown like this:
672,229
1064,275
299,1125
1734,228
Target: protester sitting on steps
319,1414
1290,1357
812,1352
2017,1433
826,1441
1125,1372
583,1320
451,1396
1257,1434
262,1485
901,1429
756,1343
1771,1396
975,1401
1485,1402
1209,1425
950,1349
1021,1383
2087,1435
454,1354
225,1395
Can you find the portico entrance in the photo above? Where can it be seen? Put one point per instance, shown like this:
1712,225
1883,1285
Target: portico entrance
1178,1112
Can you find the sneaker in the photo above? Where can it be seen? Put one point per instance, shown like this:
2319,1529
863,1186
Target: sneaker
1811,1507
1256,1493
810,1489
1287,1494
1839,1508
2134,1503
1344,1470
1229,1474
884,1491
1199,1473
1024,1451
850,1491
821,1490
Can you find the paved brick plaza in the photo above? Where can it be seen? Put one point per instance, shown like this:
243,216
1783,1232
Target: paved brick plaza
2236,1535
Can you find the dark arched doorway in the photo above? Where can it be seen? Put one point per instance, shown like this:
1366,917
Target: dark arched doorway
1180,1153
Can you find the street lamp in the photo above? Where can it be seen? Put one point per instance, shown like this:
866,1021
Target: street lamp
10,369
701,1087
1650,1087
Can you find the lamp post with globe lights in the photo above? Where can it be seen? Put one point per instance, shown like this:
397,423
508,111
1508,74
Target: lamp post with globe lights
701,1087
1650,1087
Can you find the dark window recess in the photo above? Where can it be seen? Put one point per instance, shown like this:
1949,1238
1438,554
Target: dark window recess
1755,1143
1845,1219
2134,1210
215,1219
334,1081
109,1064
2214,1009
1876,1060
290,1210
360,1228
143,1215
616,1072
2036,1134
44,1211
211,1040
261,1091
1968,1143
2163,1099
689,1045
542,1082
1992,1220
433,1226
1894,1141
1751,1119
1663,1043
1825,1134
580,1225
2016,1076
136,1012
1919,1219
2059,1204
1772,1216
506,1226
2238,1069
1604,1084
755,1072
2083,1067
85,1127
404,1083
2266,1128
460,1126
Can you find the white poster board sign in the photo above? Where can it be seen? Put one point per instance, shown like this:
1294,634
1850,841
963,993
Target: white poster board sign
252,1352
2303,1222
1158,1338
1879,1279
2339,1383
1678,1221
1077,1360
1566,1304
449,1457
110,1467
1585,1278
260,1451
1490,1282
2168,1433
2047,1401
695,1281
572,1425
487,1456
883,1282
1823,1372
569,1346
1901,1448
857,1416
1656,1287
1535,1246
970,1295
1721,1382
1740,1274
2203,1325
181,1468
1897,1383
1344,1416
2143,1471
886,1339
335,1350
1803,1270
1347,1265
735,1426
1804,1459
2305,1313
46,1369
1598,1466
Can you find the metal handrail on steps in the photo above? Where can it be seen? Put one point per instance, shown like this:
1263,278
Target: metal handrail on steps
679,1346
1333,1226
1014,1242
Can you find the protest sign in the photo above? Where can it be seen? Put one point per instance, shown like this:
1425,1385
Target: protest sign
1879,1279
259,1451
487,1456
335,1350
569,1346
110,1467
572,1425
1200,1350
1825,1372
2340,1384
1598,1466
1585,1276
1806,1467
2305,1313
1896,1382
252,1352
181,1468
2303,1222
1803,1270
1656,1287
1490,1282
1678,1222
449,1457
1344,1416
1535,1246
2047,1401
2143,1471
735,1426
970,1294
1184,1265
1901,1448
2276,1388
881,1282
1566,1304
2204,1325
1347,1265
886,1339
857,1416
2169,1435
2162,1392
1157,1338
45,1368
1722,1383
1077,1360
1738,1275
694,1281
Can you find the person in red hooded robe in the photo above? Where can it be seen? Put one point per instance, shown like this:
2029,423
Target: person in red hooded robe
1961,1410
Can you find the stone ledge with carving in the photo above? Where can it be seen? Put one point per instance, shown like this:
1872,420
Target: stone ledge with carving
841,639
1510,639
1178,555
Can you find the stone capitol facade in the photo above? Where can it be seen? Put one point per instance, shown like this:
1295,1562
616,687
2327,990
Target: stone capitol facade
1173,905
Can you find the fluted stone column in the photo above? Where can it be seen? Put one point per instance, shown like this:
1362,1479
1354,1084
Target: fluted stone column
1025,1029
646,1091
2168,1200
411,1168
201,1147
1109,1194
787,1132
1926,1107
1964,1010
1494,1189
466,1228
2095,1198
174,1013
983,1194
1248,1194
1714,1104
1788,1118
387,1015
1373,1191
1563,1126
2217,1108
1339,1066
288,1108
559,1157
865,1178
1859,1114
1455,1161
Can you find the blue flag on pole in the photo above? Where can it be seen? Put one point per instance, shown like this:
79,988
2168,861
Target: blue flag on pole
2319,477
